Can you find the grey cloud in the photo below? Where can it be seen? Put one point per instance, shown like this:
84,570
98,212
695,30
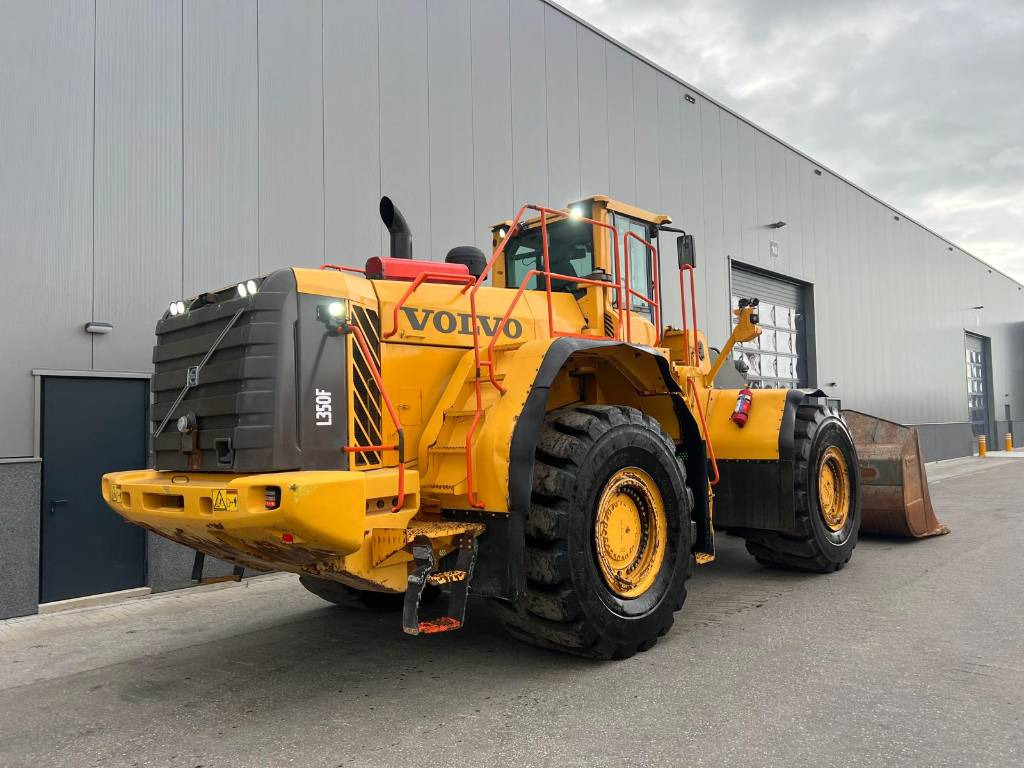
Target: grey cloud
921,103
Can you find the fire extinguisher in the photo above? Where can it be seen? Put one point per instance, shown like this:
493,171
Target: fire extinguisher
742,411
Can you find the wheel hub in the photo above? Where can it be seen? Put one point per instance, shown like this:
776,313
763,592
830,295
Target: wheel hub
630,531
834,489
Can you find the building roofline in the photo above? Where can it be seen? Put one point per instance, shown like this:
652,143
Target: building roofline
619,44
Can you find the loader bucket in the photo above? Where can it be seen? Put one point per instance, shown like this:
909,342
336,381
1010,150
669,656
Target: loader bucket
894,486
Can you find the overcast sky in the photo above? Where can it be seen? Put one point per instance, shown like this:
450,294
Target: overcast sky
919,102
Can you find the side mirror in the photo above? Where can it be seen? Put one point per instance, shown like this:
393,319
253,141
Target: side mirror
686,251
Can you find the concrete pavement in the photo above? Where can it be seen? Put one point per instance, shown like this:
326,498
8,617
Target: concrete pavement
911,655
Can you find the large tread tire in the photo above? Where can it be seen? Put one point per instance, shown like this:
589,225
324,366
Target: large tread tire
812,546
360,599
567,605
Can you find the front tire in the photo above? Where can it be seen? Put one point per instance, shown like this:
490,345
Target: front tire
608,535
827,496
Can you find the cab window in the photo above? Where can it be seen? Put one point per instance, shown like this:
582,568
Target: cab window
641,276
570,248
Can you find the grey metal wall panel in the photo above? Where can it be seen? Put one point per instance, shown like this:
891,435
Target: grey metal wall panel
352,228
563,108
593,87
715,318
404,120
221,143
138,157
291,120
493,197
45,201
732,227
747,169
670,164
692,178
766,212
451,126
645,132
621,125
529,103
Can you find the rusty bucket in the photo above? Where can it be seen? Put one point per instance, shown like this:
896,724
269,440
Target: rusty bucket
894,486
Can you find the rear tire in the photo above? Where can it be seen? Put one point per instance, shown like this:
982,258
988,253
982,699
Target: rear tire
360,599
825,470
608,535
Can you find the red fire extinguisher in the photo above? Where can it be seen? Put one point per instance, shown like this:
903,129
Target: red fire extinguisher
742,411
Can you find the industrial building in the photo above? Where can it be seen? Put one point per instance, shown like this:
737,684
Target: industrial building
154,149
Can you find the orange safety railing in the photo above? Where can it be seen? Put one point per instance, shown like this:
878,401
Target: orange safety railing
691,348
356,331
631,294
624,294
343,268
421,278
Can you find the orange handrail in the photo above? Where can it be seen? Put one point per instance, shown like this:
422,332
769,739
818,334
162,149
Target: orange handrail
490,362
356,331
691,349
630,293
343,268
420,279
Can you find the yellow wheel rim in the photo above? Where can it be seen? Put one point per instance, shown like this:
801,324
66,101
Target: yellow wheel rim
630,532
834,489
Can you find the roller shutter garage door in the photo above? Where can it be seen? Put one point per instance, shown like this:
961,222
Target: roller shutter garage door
778,357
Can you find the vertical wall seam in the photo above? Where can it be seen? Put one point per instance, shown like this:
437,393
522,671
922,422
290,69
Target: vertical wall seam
181,23
579,112
547,122
92,312
511,105
323,141
472,120
259,153
430,159
380,147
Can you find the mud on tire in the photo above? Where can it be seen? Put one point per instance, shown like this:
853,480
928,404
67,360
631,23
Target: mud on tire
568,605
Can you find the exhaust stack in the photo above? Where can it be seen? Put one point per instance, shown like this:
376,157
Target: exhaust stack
401,236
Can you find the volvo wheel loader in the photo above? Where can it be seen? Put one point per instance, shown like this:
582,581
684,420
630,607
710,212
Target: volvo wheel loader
520,427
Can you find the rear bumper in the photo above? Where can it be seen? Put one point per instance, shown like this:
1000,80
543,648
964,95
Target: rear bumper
322,516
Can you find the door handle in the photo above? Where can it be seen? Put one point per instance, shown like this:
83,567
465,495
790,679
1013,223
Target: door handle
54,503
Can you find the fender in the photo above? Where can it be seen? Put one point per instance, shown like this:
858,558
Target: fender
501,572
760,493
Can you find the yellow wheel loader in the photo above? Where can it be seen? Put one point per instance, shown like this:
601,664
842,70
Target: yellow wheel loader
520,427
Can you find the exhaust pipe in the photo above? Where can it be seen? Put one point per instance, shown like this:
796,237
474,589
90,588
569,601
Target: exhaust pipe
401,236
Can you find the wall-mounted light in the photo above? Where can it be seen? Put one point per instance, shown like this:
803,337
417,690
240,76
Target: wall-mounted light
777,224
897,218
94,327
817,172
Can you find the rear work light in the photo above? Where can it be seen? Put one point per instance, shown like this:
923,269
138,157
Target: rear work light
272,497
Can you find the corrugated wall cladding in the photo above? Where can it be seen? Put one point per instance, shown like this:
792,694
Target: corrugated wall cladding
153,148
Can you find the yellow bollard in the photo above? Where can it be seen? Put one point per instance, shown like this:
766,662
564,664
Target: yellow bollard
1008,442
982,445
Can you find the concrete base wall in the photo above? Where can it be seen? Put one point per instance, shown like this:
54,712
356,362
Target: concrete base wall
946,441
169,565
19,545
1002,427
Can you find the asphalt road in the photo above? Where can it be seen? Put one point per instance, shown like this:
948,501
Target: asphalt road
912,655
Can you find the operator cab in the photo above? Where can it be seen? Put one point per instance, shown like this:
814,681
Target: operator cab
578,248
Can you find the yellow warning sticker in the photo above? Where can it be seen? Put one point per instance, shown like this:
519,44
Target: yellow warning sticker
225,501
115,493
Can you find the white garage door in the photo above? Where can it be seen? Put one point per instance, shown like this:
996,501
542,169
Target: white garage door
778,357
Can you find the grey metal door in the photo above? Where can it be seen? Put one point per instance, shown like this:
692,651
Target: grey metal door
89,426
778,357
978,385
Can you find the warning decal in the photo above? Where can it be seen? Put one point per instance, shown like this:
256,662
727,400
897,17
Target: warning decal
224,501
